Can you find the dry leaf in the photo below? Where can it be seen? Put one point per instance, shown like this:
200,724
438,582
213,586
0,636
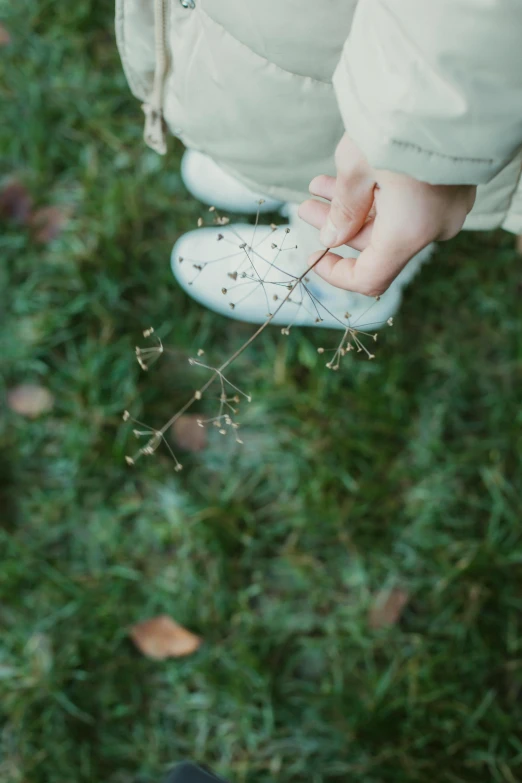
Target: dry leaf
48,222
30,400
387,608
162,638
15,202
5,38
188,434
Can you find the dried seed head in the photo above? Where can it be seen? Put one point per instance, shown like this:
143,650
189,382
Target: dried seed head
180,260
375,337
273,226
261,201
222,221
148,332
231,305
198,395
224,291
239,441
287,230
199,422
347,315
129,460
200,351
242,246
126,416
200,222
320,350
390,321
235,398
219,237
233,275
273,246
178,467
377,298
222,432
275,297
211,209
371,356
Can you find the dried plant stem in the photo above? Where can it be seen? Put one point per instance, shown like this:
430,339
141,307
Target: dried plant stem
219,371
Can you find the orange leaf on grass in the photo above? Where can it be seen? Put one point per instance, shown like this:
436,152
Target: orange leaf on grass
30,400
48,222
387,608
15,202
161,638
5,38
188,434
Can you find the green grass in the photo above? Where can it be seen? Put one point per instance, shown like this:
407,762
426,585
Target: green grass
402,471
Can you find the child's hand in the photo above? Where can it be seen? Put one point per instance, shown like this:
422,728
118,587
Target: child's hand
389,217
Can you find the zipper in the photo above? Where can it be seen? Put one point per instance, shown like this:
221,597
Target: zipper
155,131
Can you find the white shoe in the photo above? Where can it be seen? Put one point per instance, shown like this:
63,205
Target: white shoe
245,272
207,182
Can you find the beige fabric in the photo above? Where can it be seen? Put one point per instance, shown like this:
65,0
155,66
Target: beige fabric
433,89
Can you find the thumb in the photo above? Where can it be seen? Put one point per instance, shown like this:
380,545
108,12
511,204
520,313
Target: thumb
351,203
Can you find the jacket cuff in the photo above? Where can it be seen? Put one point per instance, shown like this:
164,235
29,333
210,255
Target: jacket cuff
385,150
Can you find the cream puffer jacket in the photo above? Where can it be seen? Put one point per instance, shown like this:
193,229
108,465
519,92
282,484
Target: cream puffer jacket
432,88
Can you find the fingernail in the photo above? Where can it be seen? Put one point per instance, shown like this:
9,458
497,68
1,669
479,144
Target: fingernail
328,235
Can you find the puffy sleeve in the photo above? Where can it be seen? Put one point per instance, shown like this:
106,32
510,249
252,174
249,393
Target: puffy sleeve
433,88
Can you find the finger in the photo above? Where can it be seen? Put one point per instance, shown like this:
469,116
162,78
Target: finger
323,186
351,203
316,212
369,274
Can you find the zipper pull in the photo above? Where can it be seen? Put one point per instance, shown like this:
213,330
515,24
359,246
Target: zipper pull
155,134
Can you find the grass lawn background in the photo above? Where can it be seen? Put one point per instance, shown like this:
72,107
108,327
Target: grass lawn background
403,472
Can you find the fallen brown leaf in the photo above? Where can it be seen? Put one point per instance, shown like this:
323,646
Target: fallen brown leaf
15,202
48,222
188,434
387,608
161,637
30,400
5,38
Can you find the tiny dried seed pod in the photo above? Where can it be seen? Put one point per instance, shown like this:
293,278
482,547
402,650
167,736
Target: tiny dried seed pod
129,460
126,416
180,259
200,351
231,305
390,321
211,209
200,222
273,226
222,432
233,275
178,467
199,422
197,395
219,237
273,246
224,291
320,350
